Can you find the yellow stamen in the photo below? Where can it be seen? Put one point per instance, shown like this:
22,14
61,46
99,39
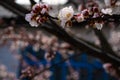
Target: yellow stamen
68,15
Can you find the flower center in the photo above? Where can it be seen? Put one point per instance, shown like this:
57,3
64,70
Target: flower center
68,15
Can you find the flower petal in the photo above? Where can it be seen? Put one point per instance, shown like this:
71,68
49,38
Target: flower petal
28,17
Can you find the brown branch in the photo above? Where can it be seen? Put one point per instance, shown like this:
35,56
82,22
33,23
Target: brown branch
97,54
15,6
107,18
82,46
32,2
104,43
12,9
73,2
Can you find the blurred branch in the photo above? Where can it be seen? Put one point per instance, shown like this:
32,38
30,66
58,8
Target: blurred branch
104,43
107,18
113,2
77,45
15,8
11,8
72,2
79,38
32,2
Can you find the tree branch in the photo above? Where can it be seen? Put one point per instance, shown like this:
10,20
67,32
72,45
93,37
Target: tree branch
104,43
32,2
12,9
60,36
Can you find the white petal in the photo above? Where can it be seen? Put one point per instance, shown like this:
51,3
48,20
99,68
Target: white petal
107,11
33,23
34,6
28,17
43,11
106,65
63,23
63,12
80,18
103,11
99,26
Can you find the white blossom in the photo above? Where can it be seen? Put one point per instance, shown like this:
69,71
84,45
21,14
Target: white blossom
47,74
80,18
11,75
36,5
3,74
106,65
33,23
40,7
28,17
34,18
107,11
48,58
63,23
99,26
3,68
43,10
115,37
65,15
36,47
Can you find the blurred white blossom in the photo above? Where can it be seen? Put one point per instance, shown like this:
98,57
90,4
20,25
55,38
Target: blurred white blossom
99,26
115,37
28,17
79,18
107,11
31,21
5,75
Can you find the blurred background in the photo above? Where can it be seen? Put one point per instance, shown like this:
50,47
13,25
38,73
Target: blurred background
23,47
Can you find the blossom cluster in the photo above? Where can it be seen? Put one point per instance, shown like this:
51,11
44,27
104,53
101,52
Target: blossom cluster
30,72
5,75
110,69
93,12
66,15
36,16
